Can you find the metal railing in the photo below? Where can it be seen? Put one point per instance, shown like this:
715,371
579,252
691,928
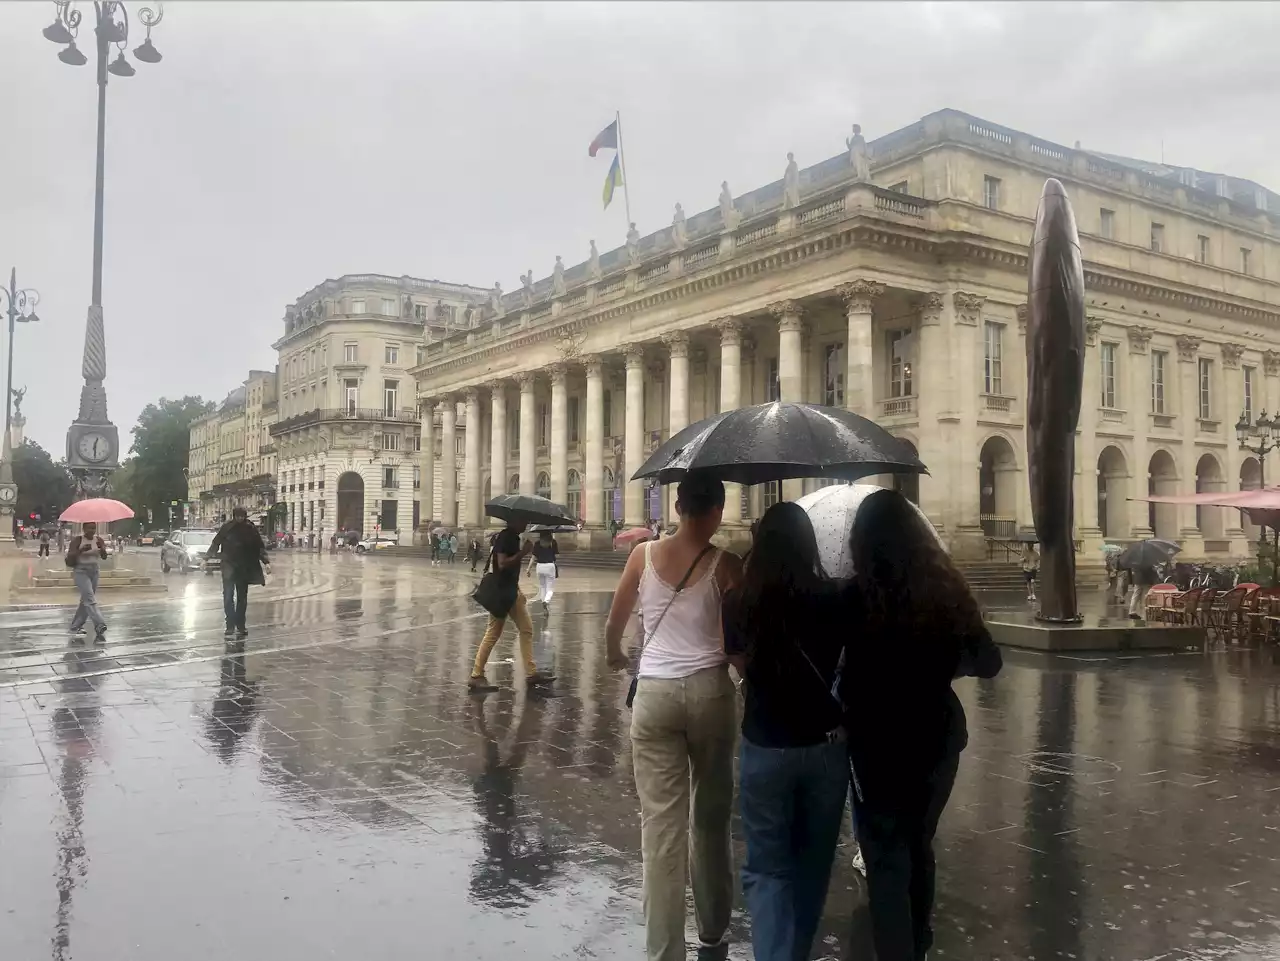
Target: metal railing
374,414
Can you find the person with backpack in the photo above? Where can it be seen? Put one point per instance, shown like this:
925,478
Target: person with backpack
85,554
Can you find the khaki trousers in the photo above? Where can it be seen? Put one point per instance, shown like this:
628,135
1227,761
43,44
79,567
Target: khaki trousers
683,735
520,614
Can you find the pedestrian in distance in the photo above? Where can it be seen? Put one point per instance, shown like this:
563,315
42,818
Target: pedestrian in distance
543,560
1030,568
43,550
683,722
1142,577
244,562
914,627
784,634
85,555
474,552
62,539
453,548
435,549
508,553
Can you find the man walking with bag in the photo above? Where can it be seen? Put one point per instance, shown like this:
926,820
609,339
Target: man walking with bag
243,559
499,593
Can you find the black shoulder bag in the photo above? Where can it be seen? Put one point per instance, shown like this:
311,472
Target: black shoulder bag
495,593
635,678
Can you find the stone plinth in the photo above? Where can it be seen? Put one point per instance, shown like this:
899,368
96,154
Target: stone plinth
1093,634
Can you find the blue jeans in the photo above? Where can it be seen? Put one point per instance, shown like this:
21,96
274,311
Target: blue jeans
792,807
235,598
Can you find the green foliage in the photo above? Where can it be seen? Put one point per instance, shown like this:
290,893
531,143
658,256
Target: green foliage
1262,570
160,443
44,487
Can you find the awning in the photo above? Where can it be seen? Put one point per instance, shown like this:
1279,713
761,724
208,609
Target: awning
1263,499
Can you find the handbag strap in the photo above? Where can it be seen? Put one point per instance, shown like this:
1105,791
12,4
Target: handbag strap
648,635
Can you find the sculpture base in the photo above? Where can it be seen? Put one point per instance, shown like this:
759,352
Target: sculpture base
1093,633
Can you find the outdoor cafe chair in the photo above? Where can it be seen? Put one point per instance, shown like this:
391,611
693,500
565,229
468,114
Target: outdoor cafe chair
1229,619
1159,601
1184,607
1203,610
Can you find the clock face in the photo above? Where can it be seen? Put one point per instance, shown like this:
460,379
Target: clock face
94,447
8,495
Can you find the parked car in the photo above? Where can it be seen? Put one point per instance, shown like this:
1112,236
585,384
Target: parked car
152,538
187,551
381,542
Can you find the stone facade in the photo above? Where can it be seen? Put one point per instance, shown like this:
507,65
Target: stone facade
230,461
899,292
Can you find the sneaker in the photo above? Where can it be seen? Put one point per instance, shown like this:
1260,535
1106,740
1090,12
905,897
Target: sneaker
859,864
713,952
480,685
540,677
229,633
100,636
241,634
1135,617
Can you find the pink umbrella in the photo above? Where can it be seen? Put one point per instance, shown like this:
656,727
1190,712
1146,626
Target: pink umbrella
99,510
632,535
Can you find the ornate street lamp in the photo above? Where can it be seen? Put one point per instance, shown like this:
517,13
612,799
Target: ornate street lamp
20,305
93,443
1260,438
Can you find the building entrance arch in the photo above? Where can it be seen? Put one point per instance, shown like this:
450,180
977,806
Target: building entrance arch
1162,478
998,488
1209,480
1113,493
351,502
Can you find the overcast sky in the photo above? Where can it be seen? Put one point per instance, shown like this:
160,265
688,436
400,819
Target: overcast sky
279,144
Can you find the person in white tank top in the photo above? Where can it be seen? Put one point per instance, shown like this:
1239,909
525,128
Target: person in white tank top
684,722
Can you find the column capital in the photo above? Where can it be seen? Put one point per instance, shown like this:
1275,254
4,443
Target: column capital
860,295
471,395
1091,327
527,380
1188,348
968,307
1139,338
634,355
931,304
782,309
730,329
594,363
1231,354
677,343
1271,362
559,372
496,386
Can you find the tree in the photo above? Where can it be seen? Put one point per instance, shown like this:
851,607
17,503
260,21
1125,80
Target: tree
160,446
44,487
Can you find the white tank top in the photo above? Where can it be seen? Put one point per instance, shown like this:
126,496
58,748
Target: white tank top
689,638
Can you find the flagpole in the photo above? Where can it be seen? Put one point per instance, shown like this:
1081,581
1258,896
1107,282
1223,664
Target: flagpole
622,161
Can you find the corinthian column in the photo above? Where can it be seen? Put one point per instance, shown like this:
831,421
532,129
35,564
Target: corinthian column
633,495
731,399
449,461
859,299
427,464
593,457
528,424
498,438
678,344
559,434
474,510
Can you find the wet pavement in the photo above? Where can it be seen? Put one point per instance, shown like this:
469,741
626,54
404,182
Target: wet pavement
327,789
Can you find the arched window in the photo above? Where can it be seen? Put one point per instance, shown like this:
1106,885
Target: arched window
544,485
575,494
513,485
611,510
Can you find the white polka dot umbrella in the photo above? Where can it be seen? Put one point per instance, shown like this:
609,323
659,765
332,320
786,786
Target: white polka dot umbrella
832,511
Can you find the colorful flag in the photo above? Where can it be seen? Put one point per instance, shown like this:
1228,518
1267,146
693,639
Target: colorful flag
613,181
608,137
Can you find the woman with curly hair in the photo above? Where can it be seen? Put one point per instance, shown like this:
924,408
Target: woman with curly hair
917,628
783,634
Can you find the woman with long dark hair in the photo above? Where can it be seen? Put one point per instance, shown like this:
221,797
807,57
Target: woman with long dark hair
781,632
917,628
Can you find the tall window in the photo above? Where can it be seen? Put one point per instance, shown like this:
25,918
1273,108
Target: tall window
608,413
351,395
543,488
419,311
389,478
1206,388
1157,237
1248,393
992,358
391,354
417,477
1159,361
1108,375
420,356
833,375
897,344
1107,223
389,307
1202,248
991,193
770,494
390,441
513,430
773,390
350,353
1244,260
574,494
390,396
544,425
573,420
357,305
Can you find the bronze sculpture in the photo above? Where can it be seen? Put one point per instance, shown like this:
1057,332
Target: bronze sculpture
1055,374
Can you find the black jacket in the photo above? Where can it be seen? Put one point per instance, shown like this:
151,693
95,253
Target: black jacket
242,550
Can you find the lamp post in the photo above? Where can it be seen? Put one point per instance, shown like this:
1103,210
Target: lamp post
93,444
1260,438
20,305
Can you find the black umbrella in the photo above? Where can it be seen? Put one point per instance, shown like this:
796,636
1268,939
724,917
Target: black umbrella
529,508
1027,537
1149,553
769,442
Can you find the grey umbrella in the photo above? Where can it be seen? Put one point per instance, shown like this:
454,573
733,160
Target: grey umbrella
769,442
1149,553
529,508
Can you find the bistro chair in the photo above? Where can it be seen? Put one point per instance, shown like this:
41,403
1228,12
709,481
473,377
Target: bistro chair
1203,612
1229,619
1159,601
1183,610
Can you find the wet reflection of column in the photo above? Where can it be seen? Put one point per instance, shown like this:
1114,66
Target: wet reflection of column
1054,876
75,720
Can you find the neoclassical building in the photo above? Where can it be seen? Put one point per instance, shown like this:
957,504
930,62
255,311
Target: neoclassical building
891,280
230,462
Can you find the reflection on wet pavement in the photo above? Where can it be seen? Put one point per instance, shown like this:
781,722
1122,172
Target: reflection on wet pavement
328,789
